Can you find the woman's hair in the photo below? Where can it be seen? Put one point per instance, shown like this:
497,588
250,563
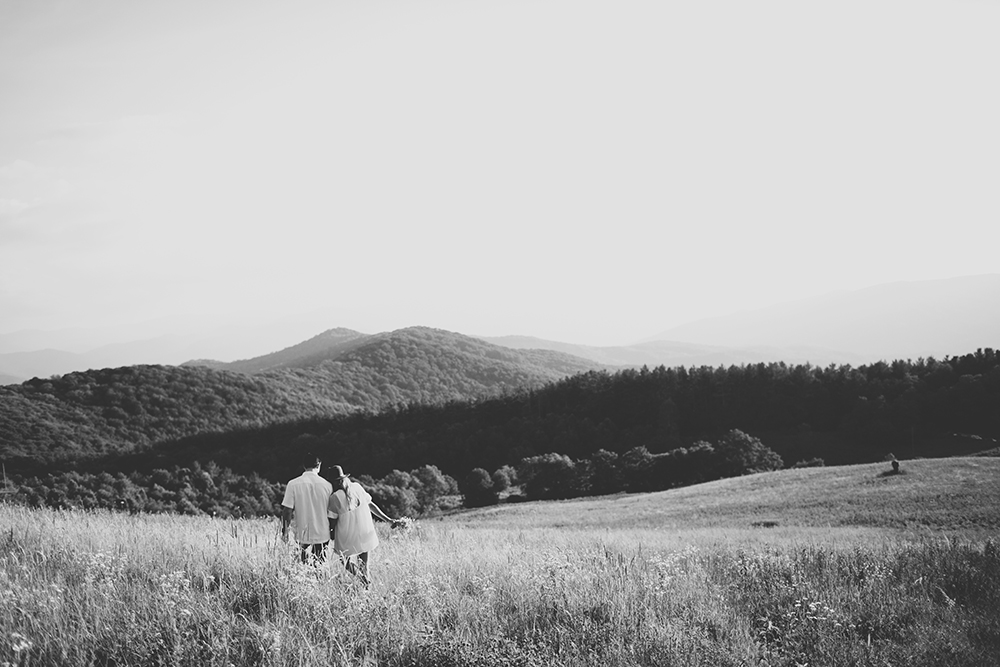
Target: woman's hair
353,502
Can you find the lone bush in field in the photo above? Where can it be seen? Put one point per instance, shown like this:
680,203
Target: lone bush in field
741,454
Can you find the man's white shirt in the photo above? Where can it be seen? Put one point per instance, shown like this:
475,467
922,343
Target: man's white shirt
309,496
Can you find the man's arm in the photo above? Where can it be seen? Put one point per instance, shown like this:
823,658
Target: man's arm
286,521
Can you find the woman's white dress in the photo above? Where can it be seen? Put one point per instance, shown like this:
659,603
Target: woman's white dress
355,531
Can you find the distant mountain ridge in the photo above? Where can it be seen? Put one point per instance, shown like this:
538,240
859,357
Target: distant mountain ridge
673,353
46,362
891,321
345,345
325,346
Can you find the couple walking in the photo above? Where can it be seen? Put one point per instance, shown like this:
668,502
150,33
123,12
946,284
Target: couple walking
319,508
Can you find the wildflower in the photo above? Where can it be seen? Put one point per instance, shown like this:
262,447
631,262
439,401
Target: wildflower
945,598
405,524
19,642
275,638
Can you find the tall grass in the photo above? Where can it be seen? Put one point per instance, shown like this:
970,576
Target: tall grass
80,588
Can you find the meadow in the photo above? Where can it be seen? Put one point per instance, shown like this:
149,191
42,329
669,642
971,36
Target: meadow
819,566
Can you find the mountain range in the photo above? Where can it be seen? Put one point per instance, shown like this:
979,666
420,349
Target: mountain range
672,353
337,373
389,399
486,365
890,321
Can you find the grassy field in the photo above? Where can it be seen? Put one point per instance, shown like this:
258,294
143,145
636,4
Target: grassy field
820,566
933,495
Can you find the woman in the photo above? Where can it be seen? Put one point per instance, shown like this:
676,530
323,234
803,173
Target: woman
351,509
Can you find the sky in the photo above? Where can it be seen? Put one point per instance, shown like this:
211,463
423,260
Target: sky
590,171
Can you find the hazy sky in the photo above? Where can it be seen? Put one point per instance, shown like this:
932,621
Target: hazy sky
585,171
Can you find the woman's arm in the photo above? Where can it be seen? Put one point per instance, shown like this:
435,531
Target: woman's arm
379,514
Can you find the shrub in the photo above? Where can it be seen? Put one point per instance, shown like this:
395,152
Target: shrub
478,489
549,476
742,454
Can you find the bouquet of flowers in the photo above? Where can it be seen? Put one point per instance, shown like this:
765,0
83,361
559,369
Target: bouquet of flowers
405,524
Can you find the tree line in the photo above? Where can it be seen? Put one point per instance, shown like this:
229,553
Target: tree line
555,476
599,432
840,414
218,491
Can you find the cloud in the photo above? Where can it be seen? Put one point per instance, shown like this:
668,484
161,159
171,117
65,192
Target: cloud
19,170
37,205
28,184
21,187
24,186
11,207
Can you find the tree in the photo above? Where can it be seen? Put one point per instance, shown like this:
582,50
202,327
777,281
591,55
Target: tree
429,484
605,477
549,476
477,489
635,467
394,500
741,454
502,478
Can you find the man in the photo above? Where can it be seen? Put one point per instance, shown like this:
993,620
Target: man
307,498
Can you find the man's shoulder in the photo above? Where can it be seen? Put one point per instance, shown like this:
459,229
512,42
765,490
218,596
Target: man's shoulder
309,480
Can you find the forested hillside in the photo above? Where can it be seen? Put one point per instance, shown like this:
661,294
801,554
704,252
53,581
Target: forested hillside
323,347
839,414
84,415
417,353
427,366
593,432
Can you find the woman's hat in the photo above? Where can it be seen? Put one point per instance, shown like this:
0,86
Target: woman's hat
338,473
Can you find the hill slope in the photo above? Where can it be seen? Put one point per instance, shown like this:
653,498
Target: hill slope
941,494
326,346
111,411
412,343
413,365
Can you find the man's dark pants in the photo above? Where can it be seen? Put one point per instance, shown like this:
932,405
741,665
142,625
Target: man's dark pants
314,551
